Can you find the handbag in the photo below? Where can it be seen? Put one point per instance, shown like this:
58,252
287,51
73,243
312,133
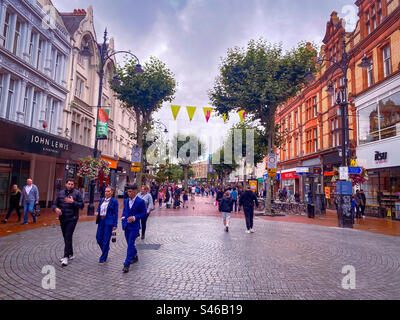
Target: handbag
37,210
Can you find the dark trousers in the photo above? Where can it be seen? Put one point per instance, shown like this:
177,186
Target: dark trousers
160,202
363,211
103,237
144,224
131,253
310,209
249,214
11,209
358,211
68,228
235,203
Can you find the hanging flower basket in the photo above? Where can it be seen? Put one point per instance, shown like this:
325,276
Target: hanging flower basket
93,168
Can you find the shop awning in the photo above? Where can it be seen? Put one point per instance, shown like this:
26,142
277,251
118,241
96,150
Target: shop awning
113,163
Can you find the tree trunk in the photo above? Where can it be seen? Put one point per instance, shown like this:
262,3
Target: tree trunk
271,138
245,174
185,174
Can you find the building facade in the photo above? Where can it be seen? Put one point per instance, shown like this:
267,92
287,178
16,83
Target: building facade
34,51
311,153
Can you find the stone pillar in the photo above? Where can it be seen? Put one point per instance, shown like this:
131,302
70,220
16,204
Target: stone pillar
27,43
11,31
20,115
42,109
5,94
47,58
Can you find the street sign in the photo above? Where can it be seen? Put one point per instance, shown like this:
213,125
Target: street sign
327,192
272,161
343,173
353,163
355,170
137,155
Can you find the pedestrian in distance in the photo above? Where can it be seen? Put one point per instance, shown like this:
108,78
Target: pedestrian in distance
310,205
102,190
234,196
363,203
226,208
357,201
15,198
148,200
107,221
29,198
67,205
134,211
247,201
185,200
168,197
220,195
160,197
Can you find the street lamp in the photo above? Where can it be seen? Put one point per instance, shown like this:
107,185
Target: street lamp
105,55
344,205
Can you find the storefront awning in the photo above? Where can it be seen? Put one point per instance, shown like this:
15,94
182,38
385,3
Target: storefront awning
113,163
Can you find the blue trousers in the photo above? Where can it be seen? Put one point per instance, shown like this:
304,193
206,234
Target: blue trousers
130,236
28,207
103,238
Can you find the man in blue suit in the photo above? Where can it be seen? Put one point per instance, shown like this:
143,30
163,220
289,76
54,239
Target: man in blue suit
134,211
107,220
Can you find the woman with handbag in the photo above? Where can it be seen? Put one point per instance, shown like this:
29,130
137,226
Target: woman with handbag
107,221
14,203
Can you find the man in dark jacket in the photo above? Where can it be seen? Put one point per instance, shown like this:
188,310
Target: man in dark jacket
247,200
363,203
67,205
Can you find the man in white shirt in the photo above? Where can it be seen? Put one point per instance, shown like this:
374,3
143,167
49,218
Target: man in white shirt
148,200
29,197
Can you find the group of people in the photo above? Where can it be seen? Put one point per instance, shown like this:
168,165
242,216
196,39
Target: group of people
27,198
137,208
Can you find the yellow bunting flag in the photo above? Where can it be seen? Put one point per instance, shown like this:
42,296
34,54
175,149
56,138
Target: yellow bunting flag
242,115
224,116
191,111
175,111
207,113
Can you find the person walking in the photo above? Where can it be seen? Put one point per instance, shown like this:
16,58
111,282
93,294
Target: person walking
29,198
107,221
160,197
220,195
67,205
15,197
247,200
357,203
226,207
310,205
168,197
134,211
148,200
363,203
234,196
185,200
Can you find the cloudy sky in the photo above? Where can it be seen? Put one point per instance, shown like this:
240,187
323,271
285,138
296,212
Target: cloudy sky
191,36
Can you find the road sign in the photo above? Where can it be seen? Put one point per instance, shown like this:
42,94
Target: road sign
272,161
353,163
327,192
137,155
355,170
135,169
343,173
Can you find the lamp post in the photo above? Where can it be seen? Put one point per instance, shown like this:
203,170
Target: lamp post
344,200
105,55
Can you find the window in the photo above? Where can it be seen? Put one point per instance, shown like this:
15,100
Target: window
57,67
31,45
79,89
290,123
370,74
26,100
5,30
16,37
334,95
75,126
87,132
315,140
34,104
315,107
10,99
39,55
387,68
52,117
335,133
1,87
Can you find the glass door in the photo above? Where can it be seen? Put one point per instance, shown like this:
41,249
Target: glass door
5,175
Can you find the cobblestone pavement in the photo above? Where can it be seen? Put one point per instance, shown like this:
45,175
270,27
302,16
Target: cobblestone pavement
191,257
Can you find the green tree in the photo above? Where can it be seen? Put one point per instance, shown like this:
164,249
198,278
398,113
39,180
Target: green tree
224,168
258,79
144,94
187,150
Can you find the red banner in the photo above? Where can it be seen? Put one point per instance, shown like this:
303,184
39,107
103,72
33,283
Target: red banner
289,175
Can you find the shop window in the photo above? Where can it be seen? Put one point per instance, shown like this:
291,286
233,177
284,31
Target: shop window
17,36
315,107
389,116
39,55
10,98
370,74
387,68
6,30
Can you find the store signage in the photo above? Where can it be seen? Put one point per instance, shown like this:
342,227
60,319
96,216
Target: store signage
302,171
289,175
102,124
355,170
343,173
381,157
317,171
328,193
253,185
49,144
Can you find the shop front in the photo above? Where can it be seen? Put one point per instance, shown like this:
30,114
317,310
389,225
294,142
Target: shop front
30,153
382,189
312,181
332,162
123,176
289,180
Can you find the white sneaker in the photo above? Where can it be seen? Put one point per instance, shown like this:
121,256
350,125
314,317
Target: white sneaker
248,231
64,262
252,231
71,257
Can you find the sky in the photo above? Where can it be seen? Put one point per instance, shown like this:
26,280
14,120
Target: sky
191,37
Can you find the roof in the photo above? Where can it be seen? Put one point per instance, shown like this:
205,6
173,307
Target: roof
72,20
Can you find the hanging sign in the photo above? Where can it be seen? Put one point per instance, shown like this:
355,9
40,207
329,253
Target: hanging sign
242,115
225,117
327,193
102,124
272,161
191,111
137,155
175,111
344,173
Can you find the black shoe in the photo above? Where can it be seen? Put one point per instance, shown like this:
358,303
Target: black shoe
227,229
142,237
125,269
4,221
135,260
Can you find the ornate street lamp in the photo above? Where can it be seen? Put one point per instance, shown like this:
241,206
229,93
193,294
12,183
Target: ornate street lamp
105,55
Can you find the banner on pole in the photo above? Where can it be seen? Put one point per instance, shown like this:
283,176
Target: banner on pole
191,111
242,115
207,113
102,126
